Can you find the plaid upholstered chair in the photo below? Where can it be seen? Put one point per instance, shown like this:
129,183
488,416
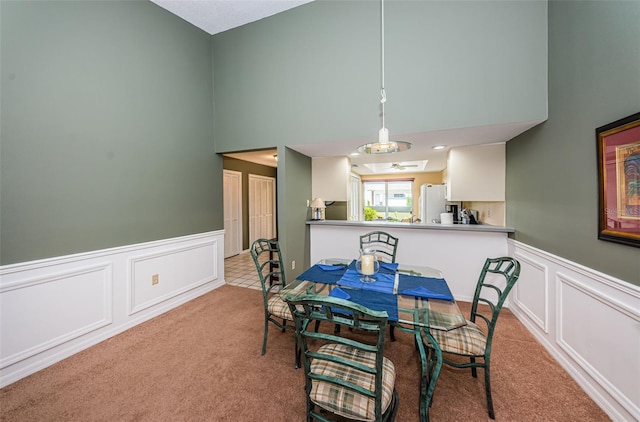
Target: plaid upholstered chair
497,278
268,260
345,378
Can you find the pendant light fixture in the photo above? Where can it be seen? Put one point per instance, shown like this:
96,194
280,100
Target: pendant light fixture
384,145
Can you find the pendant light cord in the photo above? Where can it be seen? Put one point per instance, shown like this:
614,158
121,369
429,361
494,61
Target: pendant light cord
383,144
383,95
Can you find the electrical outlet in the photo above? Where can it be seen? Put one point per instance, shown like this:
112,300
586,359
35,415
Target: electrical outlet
155,279
489,213
293,265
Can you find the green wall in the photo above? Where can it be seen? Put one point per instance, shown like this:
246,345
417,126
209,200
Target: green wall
247,168
294,189
312,74
106,128
552,179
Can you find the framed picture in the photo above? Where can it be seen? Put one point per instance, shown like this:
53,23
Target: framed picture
618,146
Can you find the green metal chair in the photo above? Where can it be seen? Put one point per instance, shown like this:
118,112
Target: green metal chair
431,363
382,243
470,340
345,377
268,260
385,247
430,360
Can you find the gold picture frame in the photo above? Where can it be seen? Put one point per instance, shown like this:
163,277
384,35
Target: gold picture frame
618,146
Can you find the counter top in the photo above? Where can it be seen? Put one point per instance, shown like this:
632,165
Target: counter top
417,226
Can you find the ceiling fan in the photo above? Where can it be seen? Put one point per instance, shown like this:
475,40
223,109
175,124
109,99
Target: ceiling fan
400,166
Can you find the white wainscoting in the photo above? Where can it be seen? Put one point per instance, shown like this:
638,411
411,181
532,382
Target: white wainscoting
588,321
53,308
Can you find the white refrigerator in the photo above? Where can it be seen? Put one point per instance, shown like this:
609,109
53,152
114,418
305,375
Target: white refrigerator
431,202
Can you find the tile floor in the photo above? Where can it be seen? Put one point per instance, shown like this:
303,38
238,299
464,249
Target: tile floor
240,271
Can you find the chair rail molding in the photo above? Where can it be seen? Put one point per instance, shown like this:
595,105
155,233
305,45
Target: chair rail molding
56,307
578,313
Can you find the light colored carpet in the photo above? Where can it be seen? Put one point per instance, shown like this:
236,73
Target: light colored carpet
201,362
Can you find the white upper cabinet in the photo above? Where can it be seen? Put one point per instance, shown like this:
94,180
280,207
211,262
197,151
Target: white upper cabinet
330,178
476,173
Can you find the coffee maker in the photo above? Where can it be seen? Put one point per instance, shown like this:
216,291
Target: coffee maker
453,209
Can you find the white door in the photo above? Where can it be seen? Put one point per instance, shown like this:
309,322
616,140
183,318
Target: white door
232,197
354,203
262,207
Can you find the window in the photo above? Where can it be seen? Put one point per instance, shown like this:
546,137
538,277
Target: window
391,199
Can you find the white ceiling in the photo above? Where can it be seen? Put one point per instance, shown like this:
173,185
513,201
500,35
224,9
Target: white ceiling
422,149
214,16
266,157
422,146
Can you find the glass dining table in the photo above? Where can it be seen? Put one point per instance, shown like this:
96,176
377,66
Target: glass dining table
417,299
413,296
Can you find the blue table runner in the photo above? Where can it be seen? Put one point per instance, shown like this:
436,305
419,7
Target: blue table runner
330,274
383,284
347,276
384,268
370,299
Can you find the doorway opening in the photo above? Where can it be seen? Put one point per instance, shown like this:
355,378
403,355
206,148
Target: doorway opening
250,198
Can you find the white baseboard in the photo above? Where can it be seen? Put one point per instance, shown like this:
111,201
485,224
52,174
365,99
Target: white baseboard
53,308
588,321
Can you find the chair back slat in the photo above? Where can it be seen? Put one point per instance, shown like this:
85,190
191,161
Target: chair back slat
383,244
268,261
508,270
483,317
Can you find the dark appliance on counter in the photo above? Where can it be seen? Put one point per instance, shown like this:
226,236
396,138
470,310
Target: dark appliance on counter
453,209
469,216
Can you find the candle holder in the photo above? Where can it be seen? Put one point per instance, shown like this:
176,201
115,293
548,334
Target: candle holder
367,265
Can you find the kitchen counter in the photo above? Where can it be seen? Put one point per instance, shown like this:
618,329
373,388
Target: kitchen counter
458,250
382,225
